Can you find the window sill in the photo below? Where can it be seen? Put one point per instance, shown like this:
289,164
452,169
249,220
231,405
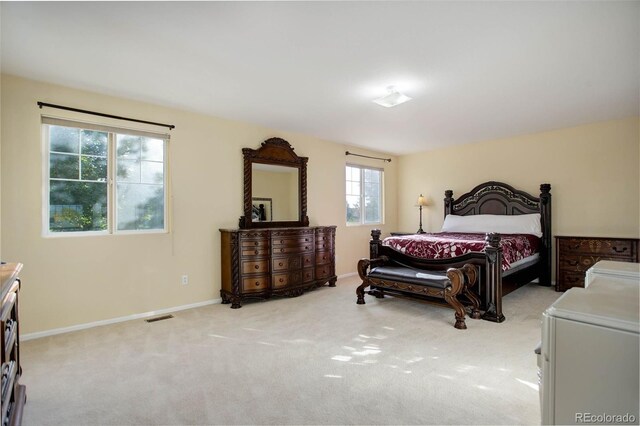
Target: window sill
355,225
55,235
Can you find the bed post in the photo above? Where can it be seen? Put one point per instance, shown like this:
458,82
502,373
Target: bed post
545,214
493,279
374,244
448,202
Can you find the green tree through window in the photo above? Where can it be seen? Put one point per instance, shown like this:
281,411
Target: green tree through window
79,191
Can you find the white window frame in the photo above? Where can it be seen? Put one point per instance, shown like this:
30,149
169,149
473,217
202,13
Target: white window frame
111,184
363,221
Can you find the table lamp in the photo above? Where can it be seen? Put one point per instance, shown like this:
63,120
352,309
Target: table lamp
422,201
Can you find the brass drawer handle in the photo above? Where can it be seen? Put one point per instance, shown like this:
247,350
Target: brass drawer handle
280,264
257,283
281,250
256,252
257,266
281,280
619,251
255,244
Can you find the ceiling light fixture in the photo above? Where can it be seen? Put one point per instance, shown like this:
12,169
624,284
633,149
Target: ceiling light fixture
392,98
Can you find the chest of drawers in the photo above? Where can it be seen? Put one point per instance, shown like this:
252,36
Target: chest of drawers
574,255
260,263
13,393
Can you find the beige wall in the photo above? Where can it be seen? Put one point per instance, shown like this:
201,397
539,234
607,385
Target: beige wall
75,280
593,171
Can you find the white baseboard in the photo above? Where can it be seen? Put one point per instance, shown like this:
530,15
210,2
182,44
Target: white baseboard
350,274
53,332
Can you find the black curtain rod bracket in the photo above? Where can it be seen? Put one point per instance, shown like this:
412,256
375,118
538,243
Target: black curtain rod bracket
366,156
100,114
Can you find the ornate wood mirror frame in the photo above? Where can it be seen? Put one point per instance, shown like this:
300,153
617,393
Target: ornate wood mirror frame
278,152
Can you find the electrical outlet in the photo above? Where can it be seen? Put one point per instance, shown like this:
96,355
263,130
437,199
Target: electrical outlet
185,279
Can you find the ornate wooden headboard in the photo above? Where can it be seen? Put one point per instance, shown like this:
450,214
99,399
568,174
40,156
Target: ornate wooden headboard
496,198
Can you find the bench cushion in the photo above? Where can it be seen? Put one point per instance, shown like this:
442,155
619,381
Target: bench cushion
434,279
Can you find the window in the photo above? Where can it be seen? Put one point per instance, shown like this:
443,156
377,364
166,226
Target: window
103,180
364,195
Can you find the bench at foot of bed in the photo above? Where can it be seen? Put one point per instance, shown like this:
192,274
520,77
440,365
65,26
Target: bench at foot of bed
382,274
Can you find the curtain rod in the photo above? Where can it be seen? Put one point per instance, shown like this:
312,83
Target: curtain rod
84,111
366,156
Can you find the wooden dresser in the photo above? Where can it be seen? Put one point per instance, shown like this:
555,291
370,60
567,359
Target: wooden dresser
260,263
13,393
574,255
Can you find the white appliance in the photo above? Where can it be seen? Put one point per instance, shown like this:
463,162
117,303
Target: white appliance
590,355
624,271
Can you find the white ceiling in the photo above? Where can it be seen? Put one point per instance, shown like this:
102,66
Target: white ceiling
476,70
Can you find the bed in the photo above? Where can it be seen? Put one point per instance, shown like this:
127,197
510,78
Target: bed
500,270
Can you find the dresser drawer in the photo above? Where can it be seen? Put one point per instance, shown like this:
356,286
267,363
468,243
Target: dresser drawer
307,275
324,244
577,263
7,305
10,338
618,249
9,372
286,263
569,279
253,284
255,266
280,280
303,248
323,257
308,259
246,243
255,252
292,241
605,247
323,272
286,279
254,247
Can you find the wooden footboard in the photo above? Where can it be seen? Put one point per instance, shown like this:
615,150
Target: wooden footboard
488,262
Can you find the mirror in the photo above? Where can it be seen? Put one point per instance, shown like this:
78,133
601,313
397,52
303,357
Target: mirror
274,193
275,186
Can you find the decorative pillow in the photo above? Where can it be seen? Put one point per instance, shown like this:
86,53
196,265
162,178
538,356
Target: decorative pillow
516,224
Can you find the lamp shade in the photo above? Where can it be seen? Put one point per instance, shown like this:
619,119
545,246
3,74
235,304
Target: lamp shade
422,201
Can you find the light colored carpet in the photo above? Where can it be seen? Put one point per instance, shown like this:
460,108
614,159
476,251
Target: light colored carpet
315,359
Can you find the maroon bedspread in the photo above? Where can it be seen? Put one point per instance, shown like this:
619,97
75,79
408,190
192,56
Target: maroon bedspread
452,244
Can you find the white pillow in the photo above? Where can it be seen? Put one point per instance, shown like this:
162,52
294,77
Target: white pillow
516,224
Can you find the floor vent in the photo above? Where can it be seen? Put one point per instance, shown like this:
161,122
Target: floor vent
163,317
